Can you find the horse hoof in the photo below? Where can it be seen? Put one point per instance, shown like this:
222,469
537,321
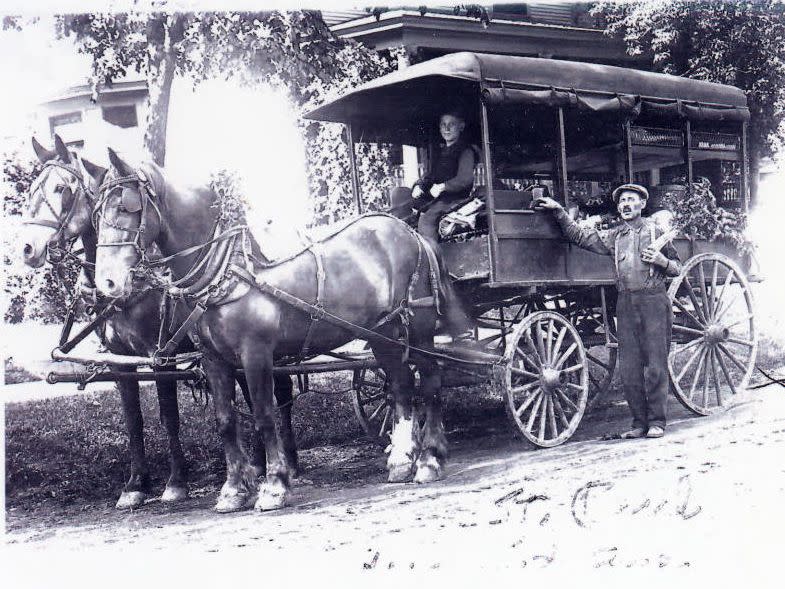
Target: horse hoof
401,473
174,494
270,499
231,503
427,473
130,500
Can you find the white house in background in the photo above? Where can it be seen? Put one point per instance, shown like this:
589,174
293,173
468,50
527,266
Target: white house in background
115,119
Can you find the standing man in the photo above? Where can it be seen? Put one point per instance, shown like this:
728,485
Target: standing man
644,313
450,178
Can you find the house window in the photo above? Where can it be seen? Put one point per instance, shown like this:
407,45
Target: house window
120,116
64,119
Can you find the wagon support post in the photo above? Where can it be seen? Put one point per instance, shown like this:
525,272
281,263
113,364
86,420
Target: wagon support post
353,169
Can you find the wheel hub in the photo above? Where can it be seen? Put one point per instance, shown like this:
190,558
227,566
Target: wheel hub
716,334
550,379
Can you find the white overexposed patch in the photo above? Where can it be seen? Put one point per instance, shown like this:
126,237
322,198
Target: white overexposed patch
251,132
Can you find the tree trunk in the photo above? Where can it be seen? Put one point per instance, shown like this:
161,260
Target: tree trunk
163,32
159,85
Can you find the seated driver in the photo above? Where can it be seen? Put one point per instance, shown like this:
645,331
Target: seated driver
449,179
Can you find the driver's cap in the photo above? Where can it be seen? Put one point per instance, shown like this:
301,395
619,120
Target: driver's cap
632,187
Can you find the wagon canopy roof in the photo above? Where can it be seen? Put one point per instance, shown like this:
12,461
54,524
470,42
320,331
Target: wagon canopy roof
503,79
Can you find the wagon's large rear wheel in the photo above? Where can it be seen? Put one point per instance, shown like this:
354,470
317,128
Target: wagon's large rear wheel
715,340
545,379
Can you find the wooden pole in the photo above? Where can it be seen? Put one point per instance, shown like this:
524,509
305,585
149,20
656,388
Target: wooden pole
628,151
561,161
745,168
493,241
353,170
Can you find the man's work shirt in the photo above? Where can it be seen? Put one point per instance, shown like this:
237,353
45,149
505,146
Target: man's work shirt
453,166
625,243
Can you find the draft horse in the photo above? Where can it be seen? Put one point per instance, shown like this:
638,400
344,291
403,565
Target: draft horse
374,273
58,212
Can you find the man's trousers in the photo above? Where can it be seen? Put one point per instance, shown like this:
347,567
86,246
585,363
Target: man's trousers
644,320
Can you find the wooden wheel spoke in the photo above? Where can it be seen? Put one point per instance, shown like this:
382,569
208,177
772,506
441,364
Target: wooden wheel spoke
535,409
741,320
687,312
571,369
715,378
526,387
598,362
706,361
525,405
539,341
698,371
530,343
741,342
566,355
549,342
543,416
725,283
727,307
713,287
573,386
560,411
383,429
687,330
528,357
725,373
704,294
522,372
552,418
733,358
695,302
567,400
378,410
559,341
691,359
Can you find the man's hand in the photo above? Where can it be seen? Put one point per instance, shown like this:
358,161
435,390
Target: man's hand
437,189
417,191
546,202
652,256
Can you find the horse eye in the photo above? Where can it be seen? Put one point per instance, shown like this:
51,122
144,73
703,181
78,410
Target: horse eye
59,189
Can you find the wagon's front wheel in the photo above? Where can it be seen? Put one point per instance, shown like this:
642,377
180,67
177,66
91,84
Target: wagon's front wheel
545,379
714,337
372,404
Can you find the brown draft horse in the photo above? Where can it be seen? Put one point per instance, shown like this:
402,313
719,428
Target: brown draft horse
59,210
361,274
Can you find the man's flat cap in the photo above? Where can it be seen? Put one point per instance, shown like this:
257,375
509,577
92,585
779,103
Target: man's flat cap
632,187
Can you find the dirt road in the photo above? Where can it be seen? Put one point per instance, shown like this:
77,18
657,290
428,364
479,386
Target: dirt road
708,495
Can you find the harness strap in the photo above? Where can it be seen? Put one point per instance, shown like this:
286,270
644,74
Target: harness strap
194,316
316,250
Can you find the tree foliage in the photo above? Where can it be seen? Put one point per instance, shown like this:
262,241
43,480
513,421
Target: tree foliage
294,50
741,43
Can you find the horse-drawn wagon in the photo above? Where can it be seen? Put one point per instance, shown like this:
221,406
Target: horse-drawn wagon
545,335
547,305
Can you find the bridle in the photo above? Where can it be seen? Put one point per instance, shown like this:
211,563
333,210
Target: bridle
57,248
147,196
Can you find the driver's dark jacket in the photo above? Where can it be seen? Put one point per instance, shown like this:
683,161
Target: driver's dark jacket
454,166
625,243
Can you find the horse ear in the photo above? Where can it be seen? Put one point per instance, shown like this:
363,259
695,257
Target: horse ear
62,149
118,163
94,170
43,154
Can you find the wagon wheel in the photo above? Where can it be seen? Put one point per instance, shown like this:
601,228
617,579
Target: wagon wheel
715,340
590,324
372,404
545,379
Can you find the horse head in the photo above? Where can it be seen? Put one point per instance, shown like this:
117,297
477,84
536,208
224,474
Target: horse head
58,205
128,220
